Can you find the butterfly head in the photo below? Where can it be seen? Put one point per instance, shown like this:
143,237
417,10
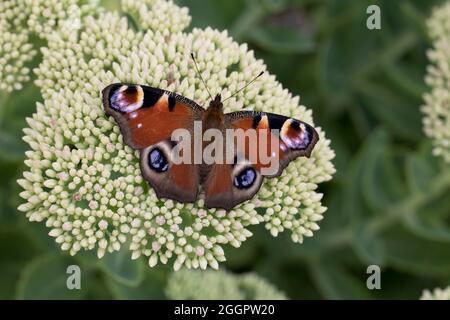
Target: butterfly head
216,103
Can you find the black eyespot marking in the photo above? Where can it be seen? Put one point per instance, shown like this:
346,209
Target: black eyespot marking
151,97
157,161
295,125
245,179
308,135
256,120
310,131
172,102
112,90
132,90
276,122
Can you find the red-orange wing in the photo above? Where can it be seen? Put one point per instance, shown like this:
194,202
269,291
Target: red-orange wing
283,139
147,118
148,115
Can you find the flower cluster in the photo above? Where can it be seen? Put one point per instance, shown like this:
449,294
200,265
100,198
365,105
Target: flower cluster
15,53
436,294
220,285
152,14
437,102
21,20
86,184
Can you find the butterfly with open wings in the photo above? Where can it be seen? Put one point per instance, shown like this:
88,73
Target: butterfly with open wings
148,116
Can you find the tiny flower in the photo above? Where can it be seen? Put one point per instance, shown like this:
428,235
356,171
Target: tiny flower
220,285
96,184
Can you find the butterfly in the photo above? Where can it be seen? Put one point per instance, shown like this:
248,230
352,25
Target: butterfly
148,116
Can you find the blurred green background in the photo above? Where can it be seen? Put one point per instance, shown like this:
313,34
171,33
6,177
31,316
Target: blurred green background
389,203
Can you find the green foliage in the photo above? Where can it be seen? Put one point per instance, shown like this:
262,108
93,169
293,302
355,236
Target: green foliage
388,205
120,267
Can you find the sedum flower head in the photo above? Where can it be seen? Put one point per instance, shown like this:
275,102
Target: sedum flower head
437,102
44,16
21,20
152,14
86,185
220,285
15,53
436,294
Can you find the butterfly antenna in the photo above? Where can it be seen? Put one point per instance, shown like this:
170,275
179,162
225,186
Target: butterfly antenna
245,86
200,75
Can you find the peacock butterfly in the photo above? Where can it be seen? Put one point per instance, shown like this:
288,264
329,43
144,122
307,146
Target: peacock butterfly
148,118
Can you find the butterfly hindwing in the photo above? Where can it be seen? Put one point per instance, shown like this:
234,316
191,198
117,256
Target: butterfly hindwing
230,184
147,117
169,180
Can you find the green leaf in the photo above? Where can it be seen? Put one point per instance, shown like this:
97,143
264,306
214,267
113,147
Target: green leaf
419,174
11,147
243,257
281,40
46,278
339,57
430,220
151,287
16,250
39,232
421,168
271,5
407,81
415,16
353,204
369,247
9,190
397,285
336,283
16,107
432,229
121,268
383,183
218,14
415,255
392,110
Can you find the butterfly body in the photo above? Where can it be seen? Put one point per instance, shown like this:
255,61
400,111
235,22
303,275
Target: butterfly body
213,116
148,118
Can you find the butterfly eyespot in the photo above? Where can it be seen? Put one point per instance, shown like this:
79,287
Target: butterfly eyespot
157,161
127,98
245,179
296,135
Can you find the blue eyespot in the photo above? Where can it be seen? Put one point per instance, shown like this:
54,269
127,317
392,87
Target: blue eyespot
157,161
245,179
